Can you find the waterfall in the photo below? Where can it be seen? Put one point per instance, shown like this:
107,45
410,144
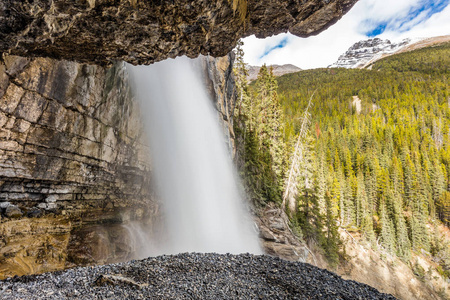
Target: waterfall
193,172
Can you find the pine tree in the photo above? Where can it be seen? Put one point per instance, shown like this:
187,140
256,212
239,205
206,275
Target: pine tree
438,185
387,233
401,231
349,203
259,130
308,215
443,208
419,209
321,184
363,214
244,105
332,240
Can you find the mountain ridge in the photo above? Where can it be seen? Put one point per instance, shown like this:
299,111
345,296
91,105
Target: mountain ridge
365,53
278,70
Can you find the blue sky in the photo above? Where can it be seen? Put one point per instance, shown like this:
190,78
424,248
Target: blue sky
279,45
391,19
416,14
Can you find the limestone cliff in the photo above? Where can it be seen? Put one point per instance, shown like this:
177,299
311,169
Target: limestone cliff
142,32
71,159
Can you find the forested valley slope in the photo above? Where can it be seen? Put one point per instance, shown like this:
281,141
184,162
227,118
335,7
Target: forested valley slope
372,165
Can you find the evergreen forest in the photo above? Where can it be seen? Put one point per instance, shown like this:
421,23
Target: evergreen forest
370,150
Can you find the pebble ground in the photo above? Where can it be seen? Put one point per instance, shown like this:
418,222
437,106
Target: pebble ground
191,276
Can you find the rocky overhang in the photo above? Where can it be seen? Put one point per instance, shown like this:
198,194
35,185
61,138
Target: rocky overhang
143,31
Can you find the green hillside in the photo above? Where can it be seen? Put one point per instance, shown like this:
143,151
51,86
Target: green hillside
380,168
432,60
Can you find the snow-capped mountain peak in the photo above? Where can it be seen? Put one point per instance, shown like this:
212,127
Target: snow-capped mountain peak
363,53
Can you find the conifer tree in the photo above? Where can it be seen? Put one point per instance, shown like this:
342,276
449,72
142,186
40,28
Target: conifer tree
349,204
363,214
332,241
387,233
308,215
259,124
438,185
403,244
244,105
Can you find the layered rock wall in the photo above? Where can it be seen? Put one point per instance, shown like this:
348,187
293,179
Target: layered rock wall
72,131
71,158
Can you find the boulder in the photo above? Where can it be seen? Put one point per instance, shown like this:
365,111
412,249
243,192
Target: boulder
35,213
13,211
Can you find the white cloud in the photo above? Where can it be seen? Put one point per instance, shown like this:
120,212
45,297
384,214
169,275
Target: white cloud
324,49
257,47
437,25
382,10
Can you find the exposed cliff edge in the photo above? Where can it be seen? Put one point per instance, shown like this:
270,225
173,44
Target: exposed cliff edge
142,32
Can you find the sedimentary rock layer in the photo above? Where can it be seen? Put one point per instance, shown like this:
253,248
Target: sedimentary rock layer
142,32
71,159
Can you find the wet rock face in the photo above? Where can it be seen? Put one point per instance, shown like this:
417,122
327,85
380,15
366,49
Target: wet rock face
219,81
142,32
69,133
71,158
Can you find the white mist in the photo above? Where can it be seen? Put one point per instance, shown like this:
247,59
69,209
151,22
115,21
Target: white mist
193,172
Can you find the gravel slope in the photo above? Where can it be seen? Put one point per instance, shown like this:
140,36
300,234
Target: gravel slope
191,276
